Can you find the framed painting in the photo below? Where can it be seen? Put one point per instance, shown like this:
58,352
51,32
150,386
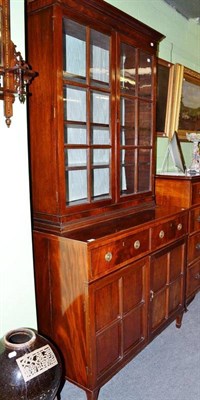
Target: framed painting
189,116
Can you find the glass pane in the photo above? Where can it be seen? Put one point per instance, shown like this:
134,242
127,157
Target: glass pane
99,58
100,135
127,121
74,104
127,171
101,157
144,170
74,50
100,108
145,75
76,185
144,128
127,69
75,134
75,157
101,182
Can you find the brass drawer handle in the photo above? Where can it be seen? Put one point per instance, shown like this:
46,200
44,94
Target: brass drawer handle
161,234
137,244
197,246
108,256
198,218
197,277
179,227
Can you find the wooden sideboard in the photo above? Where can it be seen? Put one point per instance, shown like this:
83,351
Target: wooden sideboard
104,292
184,191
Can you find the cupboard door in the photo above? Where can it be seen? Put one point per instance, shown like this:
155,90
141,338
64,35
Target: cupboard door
87,115
119,309
136,113
167,282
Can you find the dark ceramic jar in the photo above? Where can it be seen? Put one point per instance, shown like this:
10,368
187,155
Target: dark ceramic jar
30,366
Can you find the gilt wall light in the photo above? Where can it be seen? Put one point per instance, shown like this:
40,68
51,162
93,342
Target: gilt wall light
15,73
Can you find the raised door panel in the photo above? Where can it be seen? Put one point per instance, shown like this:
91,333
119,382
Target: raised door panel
193,247
119,309
194,220
193,279
195,193
134,306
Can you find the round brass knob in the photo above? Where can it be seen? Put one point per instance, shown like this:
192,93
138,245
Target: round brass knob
179,227
108,256
161,234
137,244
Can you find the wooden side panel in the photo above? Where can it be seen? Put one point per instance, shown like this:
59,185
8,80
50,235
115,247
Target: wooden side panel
62,299
41,54
173,192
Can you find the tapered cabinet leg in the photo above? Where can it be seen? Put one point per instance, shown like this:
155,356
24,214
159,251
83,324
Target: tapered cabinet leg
93,395
179,320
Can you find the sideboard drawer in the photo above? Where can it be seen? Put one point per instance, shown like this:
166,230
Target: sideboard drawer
107,257
194,220
168,231
193,278
193,247
195,193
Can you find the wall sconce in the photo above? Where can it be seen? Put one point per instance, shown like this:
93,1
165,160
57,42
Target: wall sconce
15,73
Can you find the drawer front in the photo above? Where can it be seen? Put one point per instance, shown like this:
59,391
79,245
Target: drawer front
108,257
193,279
193,247
194,218
196,193
168,231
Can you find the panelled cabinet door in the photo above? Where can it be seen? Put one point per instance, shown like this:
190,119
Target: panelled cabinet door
167,283
119,309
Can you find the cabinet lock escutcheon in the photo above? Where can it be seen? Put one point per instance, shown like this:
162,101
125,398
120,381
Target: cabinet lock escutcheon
179,227
136,244
197,277
108,256
151,295
197,246
198,218
161,234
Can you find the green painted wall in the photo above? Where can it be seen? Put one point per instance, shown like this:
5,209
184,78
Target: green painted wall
182,42
181,45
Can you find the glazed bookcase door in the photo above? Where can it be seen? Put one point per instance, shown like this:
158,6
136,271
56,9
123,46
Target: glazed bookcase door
136,113
87,113
92,149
